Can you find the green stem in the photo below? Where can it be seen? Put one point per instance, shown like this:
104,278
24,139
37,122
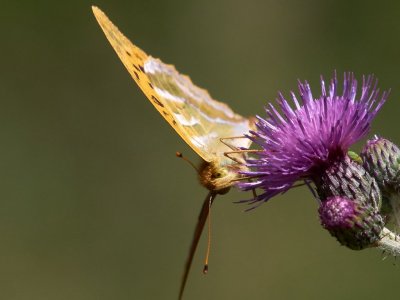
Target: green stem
389,242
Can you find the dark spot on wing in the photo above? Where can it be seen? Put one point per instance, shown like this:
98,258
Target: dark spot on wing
136,67
137,76
174,122
165,113
128,53
141,69
150,85
156,101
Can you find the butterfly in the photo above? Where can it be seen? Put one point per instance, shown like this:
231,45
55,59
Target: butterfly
200,121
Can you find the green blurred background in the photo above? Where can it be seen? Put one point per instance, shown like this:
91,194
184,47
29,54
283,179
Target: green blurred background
94,204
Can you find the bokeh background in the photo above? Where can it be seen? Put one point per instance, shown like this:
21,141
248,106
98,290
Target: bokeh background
93,202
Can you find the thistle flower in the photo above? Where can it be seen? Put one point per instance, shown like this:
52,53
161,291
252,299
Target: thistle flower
310,142
301,143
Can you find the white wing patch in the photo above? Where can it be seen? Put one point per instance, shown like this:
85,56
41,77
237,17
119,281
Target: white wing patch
186,122
167,95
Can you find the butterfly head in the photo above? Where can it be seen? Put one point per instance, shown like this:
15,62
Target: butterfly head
217,177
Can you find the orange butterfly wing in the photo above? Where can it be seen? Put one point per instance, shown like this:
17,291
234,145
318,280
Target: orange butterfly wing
200,120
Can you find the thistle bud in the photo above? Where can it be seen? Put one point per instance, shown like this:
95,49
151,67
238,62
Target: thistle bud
381,158
350,202
347,178
353,223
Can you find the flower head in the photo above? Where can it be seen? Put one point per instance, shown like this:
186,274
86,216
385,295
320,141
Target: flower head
301,142
354,223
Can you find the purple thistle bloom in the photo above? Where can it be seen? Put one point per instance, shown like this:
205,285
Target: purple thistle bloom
300,143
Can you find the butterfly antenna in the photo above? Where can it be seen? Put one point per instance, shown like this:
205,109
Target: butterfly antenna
180,155
204,213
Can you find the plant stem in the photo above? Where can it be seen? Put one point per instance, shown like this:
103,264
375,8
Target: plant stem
389,242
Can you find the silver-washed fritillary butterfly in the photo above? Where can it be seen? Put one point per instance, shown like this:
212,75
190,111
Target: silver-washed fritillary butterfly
201,121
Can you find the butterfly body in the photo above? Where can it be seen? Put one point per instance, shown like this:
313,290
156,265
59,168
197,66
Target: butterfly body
218,178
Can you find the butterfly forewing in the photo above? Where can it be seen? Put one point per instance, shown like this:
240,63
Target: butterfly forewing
200,120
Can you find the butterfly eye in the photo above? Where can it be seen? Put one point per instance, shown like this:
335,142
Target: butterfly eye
219,173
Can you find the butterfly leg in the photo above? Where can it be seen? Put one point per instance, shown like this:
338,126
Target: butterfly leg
236,150
226,142
239,159
253,190
226,139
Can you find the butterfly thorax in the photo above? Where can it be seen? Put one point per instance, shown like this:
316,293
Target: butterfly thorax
217,178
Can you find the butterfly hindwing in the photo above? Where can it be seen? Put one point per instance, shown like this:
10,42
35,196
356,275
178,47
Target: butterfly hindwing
200,120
